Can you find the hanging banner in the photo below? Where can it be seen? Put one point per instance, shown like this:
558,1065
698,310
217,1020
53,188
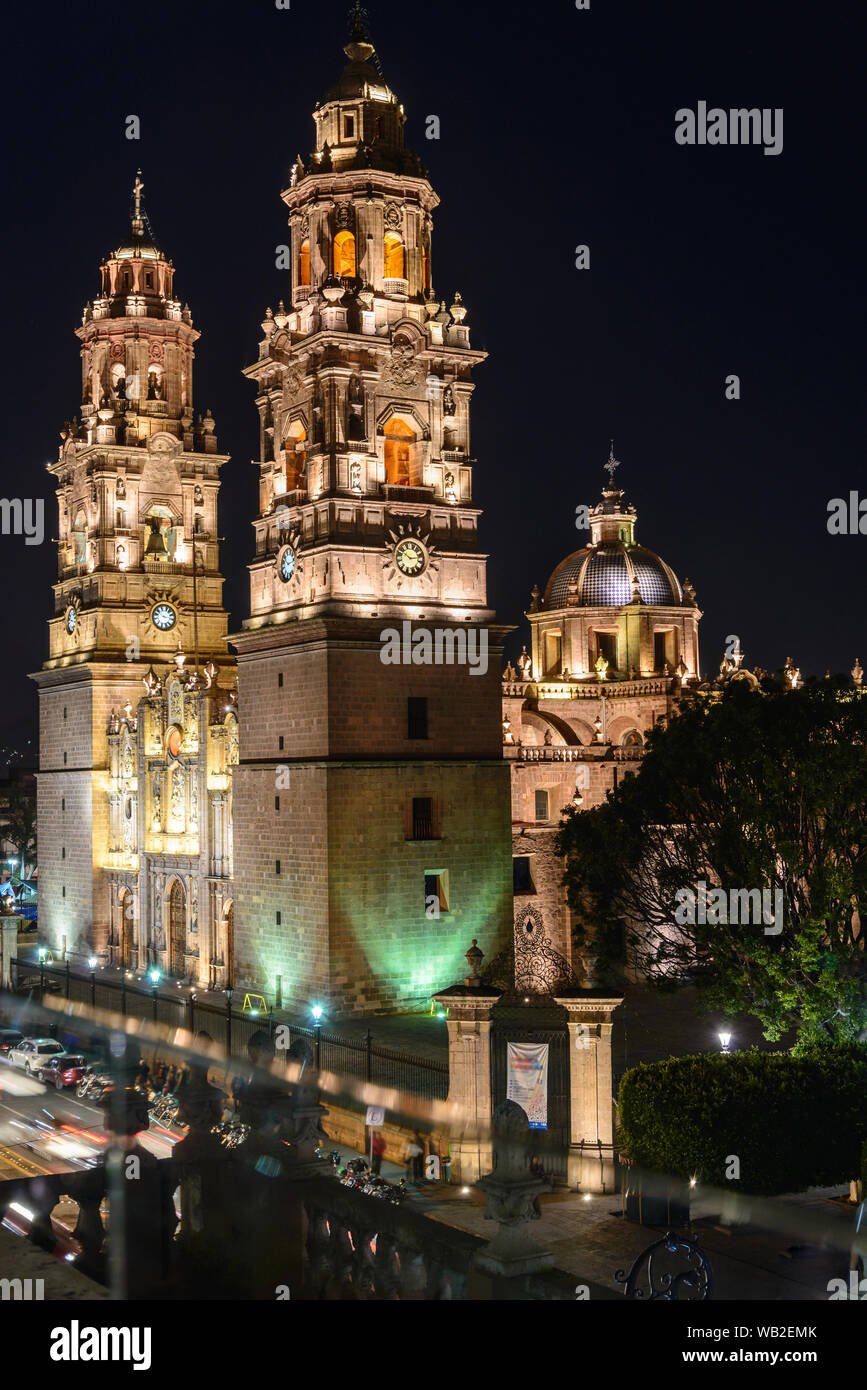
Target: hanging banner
527,1080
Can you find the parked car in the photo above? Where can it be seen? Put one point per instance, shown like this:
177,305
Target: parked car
33,1053
9,1038
66,1069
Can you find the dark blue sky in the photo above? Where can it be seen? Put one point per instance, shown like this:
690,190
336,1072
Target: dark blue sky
557,128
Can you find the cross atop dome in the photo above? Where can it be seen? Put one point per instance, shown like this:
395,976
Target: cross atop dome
359,47
612,464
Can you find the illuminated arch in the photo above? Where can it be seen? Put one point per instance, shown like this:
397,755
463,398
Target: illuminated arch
400,439
295,445
394,257
304,264
344,254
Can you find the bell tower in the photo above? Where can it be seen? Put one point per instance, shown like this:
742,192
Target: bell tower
370,799
138,575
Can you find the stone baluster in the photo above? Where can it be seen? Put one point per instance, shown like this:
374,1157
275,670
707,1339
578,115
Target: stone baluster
513,1198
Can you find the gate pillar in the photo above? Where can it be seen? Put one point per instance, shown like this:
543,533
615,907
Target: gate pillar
469,1025
591,1162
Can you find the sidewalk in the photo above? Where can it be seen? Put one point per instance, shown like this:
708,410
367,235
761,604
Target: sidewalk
589,1238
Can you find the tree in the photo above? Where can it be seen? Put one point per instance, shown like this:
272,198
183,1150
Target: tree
20,827
747,789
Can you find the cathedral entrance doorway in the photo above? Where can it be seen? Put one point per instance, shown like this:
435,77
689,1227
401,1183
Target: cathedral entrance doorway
127,931
177,930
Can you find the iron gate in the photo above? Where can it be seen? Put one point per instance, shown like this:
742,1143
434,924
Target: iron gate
538,1021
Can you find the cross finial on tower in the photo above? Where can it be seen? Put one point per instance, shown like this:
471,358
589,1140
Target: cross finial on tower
136,192
612,463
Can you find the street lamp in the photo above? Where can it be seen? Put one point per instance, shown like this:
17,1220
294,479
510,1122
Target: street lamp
317,1026
155,980
725,1039
229,991
92,964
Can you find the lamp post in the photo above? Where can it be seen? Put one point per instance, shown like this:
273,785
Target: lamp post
228,991
725,1040
92,963
155,980
317,1028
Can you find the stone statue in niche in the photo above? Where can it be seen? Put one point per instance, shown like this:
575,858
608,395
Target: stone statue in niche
317,413
127,763
198,496
449,406
355,476
157,801
194,799
177,800
120,490
449,482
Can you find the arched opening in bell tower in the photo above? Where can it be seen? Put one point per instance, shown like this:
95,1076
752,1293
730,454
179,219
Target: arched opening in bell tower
344,255
295,446
304,264
395,257
400,444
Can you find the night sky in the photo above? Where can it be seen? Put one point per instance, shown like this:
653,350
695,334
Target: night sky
557,129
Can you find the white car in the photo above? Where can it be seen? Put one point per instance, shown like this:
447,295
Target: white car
33,1053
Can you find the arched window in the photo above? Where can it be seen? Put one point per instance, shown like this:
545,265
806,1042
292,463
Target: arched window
395,260
304,264
399,442
295,446
344,254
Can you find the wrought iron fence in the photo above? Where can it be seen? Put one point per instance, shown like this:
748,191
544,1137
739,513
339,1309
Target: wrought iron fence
234,1028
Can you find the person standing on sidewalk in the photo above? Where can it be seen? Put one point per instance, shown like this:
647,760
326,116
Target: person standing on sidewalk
377,1150
414,1156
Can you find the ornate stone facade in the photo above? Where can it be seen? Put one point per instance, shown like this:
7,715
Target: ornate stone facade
138,577
170,855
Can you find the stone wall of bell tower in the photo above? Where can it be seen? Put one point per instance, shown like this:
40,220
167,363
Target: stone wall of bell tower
371,799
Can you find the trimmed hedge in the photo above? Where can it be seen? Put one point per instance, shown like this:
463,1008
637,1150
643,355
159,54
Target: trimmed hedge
793,1122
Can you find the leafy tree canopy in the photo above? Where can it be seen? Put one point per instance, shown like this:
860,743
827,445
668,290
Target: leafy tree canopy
749,789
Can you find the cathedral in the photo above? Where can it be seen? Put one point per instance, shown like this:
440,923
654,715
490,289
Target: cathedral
283,807
309,818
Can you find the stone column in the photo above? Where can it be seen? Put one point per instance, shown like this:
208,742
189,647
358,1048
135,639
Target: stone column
469,1026
591,1160
8,947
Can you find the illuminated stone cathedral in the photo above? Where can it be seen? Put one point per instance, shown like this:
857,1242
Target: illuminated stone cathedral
337,827
323,820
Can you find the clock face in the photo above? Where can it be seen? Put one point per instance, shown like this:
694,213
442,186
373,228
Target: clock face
410,557
71,620
287,564
164,617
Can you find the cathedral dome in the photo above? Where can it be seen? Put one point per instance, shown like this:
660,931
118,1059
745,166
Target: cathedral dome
601,576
